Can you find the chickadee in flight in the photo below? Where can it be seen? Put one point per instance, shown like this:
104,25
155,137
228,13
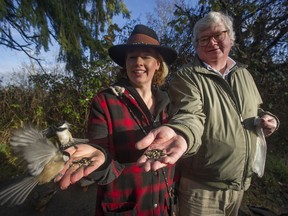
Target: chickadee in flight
44,161
62,131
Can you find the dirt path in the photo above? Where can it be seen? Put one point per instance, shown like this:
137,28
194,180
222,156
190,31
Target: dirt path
71,202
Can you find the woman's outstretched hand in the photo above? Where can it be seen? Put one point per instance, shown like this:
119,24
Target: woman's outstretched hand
84,159
167,141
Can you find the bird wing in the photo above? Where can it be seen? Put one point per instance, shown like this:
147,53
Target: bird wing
33,147
17,193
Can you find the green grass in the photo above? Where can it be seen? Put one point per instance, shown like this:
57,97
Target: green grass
270,191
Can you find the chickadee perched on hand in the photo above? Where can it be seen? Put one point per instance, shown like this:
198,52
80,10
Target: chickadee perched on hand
61,130
44,161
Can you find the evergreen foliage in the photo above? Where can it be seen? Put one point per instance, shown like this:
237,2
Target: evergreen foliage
80,27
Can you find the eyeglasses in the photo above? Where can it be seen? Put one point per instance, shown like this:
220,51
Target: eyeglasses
220,36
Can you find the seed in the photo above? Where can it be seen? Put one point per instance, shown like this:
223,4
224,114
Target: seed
83,162
154,154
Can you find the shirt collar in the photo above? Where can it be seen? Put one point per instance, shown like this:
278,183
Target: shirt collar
230,64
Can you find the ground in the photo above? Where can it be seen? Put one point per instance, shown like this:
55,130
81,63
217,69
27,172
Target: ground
78,202
71,202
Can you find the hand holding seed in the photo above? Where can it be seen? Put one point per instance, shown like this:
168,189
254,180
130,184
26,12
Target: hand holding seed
154,154
165,147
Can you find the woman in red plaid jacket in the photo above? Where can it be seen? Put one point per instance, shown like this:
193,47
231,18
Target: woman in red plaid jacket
120,116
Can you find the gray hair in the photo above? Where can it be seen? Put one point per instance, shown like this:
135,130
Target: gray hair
209,20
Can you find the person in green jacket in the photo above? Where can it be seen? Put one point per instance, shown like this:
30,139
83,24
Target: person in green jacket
217,117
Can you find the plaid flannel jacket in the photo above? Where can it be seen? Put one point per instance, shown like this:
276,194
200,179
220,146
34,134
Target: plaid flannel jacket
118,119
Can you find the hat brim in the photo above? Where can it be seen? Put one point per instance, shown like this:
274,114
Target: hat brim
118,52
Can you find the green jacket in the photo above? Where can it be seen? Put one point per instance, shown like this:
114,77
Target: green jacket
217,119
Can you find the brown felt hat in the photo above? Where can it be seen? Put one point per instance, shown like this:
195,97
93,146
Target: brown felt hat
141,36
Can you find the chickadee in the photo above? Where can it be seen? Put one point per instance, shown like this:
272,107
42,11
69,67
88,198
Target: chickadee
44,161
61,130
66,140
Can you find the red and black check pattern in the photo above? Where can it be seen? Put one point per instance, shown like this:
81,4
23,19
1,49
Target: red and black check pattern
116,123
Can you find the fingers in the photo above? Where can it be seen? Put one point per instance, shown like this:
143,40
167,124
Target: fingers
85,170
148,163
153,165
83,162
76,171
65,181
71,150
156,137
145,142
171,151
268,131
269,124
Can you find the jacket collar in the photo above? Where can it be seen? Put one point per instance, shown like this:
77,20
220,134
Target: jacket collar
162,98
201,67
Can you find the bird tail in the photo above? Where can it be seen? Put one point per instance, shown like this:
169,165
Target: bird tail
17,193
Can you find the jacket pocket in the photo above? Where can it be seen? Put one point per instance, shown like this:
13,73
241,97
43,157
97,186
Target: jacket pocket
119,209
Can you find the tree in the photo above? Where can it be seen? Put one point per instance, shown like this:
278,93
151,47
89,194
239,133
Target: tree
261,34
261,39
259,29
82,28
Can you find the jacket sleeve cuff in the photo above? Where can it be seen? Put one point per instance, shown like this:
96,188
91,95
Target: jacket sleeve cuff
106,176
183,131
109,171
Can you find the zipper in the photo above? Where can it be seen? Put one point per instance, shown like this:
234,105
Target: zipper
228,84
237,107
